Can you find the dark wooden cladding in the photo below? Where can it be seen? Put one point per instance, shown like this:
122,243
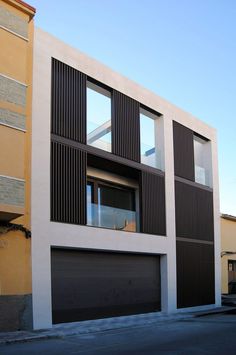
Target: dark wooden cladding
92,284
68,104
153,210
68,184
195,274
125,127
183,151
110,158
194,212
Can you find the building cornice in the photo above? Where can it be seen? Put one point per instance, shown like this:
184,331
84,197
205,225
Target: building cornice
228,217
23,6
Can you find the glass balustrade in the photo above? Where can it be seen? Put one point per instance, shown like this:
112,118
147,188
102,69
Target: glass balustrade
202,175
111,217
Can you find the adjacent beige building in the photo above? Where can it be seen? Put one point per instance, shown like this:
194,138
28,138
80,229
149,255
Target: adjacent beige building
228,252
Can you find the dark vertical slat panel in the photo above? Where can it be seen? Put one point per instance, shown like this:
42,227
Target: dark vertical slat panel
194,212
195,274
183,151
125,127
153,209
68,104
68,184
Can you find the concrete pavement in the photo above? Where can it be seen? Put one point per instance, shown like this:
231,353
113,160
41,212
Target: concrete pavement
99,325
212,334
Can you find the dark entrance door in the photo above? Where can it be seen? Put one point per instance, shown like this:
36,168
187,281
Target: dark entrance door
232,276
89,285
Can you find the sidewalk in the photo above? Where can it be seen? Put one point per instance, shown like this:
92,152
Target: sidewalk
100,325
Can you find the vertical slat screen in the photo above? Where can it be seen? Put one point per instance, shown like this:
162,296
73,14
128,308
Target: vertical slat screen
195,274
194,212
125,127
183,151
68,104
153,204
68,184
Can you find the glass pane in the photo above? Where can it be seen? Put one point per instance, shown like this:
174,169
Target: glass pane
201,172
115,208
115,197
114,218
89,204
98,118
150,155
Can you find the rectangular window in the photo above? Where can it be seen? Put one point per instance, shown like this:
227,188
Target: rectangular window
98,117
202,160
110,206
150,151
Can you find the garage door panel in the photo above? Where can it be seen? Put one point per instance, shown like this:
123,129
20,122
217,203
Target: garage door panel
87,285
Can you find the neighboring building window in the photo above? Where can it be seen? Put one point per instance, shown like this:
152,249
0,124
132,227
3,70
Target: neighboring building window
98,117
150,149
111,205
202,161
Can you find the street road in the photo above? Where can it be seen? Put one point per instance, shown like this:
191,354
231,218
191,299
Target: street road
215,334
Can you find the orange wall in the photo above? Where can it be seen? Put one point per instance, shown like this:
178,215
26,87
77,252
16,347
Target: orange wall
15,264
15,147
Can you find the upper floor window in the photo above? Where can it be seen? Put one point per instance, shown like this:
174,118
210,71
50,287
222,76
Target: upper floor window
111,205
202,160
150,144
98,117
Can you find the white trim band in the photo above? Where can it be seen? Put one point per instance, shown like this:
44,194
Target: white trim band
17,81
13,127
14,33
12,178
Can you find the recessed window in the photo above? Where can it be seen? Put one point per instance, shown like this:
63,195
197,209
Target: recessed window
98,117
111,205
202,161
150,147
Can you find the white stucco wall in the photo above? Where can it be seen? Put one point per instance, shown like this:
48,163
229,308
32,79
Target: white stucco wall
46,233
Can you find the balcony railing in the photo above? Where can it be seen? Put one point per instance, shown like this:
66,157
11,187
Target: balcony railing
111,217
202,175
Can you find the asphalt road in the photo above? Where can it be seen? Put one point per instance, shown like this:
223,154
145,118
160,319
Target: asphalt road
215,334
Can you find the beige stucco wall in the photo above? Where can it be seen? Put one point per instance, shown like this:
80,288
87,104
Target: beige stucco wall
228,243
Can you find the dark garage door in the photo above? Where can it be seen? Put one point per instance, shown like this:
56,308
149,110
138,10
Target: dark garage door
89,285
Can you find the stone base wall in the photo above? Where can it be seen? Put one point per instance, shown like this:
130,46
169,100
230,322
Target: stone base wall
16,313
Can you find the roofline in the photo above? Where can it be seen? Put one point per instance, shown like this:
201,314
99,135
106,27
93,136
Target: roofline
30,10
228,217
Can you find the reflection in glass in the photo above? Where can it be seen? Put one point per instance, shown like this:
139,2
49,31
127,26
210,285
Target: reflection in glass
89,203
98,117
113,218
115,207
150,155
202,175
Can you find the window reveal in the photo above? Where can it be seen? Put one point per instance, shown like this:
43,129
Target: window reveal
110,206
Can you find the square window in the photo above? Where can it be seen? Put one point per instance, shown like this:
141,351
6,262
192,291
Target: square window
111,205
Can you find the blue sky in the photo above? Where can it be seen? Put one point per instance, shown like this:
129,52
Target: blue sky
183,50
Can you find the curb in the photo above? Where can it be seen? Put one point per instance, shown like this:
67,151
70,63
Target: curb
28,339
91,327
97,326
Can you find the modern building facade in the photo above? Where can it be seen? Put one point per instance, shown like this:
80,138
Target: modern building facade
125,205
228,253
16,38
